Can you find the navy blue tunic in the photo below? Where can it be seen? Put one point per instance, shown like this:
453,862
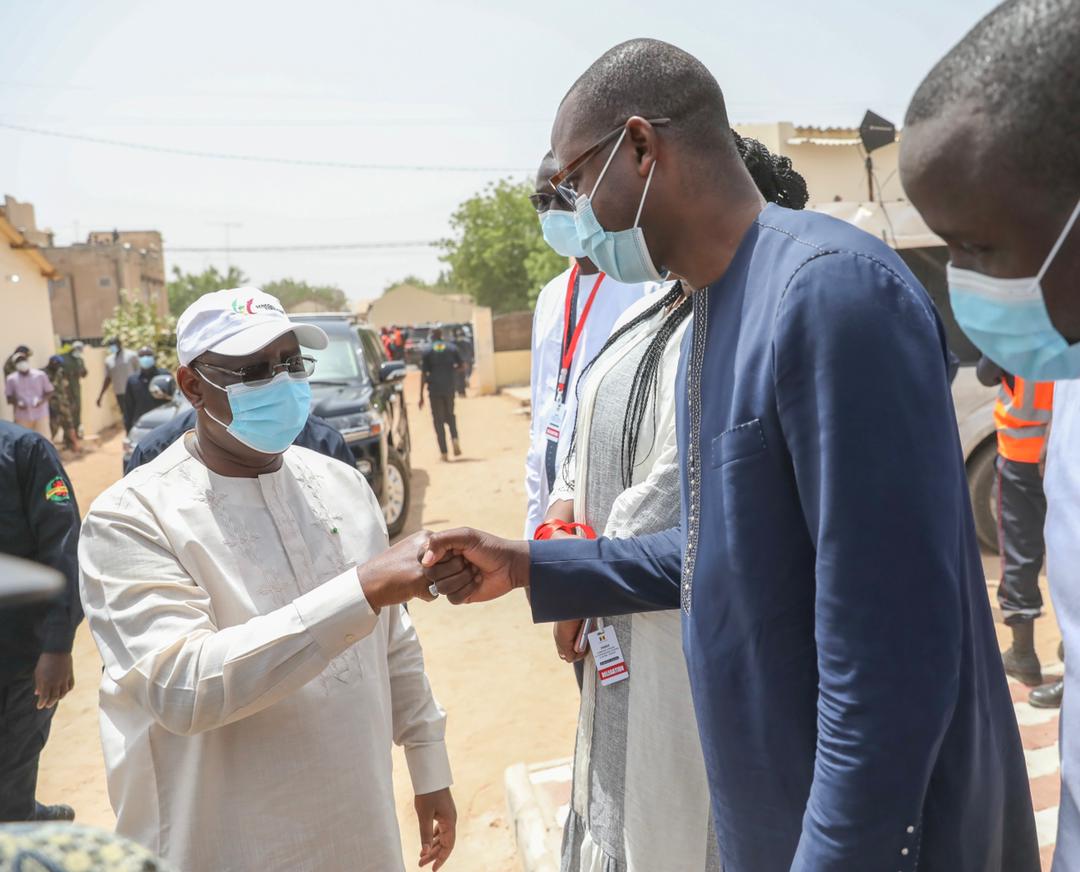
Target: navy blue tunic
846,677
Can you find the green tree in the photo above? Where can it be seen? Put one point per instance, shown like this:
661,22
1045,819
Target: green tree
138,324
292,292
186,288
499,256
441,285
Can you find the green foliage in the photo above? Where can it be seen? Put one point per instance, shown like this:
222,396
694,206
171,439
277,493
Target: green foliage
138,324
499,256
292,292
186,288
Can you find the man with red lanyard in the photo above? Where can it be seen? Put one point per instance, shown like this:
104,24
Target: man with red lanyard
573,318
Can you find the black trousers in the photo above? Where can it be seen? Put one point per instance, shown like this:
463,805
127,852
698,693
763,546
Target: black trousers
1021,515
442,410
24,729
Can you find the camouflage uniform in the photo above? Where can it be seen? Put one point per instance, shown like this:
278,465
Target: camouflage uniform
75,369
61,413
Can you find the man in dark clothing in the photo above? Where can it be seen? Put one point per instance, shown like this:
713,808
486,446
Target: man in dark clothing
137,397
75,370
438,370
316,435
468,357
39,521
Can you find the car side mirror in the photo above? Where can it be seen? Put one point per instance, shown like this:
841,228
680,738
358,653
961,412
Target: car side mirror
392,370
162,387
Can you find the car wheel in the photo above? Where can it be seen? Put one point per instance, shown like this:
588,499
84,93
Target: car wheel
981,472
395,493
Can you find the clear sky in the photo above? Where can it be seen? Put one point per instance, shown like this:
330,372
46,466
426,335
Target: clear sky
419,82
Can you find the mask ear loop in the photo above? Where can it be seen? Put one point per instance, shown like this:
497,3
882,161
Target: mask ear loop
1060,241
607,163
644,194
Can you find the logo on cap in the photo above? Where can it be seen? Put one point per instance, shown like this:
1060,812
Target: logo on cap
248,308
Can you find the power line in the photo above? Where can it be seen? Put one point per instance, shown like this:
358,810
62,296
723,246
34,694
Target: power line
251,158
332,246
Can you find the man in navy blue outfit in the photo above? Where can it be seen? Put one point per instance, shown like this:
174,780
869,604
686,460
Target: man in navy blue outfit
850,697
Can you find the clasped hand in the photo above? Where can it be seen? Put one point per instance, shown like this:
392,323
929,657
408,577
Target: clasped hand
464,565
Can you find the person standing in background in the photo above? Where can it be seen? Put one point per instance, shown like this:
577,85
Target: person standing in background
75,369
137,397
468,358
438,372
1022,418
61,417
120,365
39,521
574,315
28,391
9,364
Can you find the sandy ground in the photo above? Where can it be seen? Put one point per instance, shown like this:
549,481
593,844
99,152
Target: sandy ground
508,696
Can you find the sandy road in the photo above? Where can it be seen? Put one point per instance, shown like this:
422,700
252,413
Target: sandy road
508,697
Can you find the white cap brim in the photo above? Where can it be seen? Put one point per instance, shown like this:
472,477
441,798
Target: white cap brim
258,336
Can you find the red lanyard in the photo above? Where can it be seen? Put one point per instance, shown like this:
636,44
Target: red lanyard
569,343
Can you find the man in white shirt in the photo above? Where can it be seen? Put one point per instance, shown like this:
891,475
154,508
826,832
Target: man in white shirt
120,364
594,303
258,663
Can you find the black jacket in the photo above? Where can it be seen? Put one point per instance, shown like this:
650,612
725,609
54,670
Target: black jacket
39,521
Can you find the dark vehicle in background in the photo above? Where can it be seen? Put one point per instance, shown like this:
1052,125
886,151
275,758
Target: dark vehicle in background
356,390
416,343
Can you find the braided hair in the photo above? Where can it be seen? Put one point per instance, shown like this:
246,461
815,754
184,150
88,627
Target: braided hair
778,183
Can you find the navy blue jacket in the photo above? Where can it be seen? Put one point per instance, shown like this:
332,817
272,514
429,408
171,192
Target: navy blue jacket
316,435
39,521
845,671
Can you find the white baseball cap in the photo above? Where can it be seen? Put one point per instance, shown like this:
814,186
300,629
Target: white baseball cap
238,322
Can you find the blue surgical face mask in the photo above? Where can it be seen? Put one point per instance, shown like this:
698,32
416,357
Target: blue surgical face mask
146,360
267,417
1007,320
113,349
560,232
621,254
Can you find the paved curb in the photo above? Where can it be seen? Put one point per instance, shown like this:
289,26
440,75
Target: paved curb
537,830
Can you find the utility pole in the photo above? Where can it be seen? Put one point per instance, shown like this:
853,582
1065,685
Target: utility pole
228,225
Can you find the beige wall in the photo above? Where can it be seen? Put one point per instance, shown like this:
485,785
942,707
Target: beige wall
831,171
93,276
484,380
27,319
95,420
512,368
408,305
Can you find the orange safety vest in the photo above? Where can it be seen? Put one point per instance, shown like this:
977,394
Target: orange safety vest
1022,416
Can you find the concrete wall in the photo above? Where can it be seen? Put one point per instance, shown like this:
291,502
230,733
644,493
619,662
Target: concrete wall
95,420
484,380
513,331
93,276
512,368
410,305
832,172
27,319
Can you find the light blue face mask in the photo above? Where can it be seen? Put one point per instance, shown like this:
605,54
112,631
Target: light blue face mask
1007,320
146,361
560,232
267,417
622,254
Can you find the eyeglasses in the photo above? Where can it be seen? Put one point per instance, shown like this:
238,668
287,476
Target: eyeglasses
300,366
543,201
559,182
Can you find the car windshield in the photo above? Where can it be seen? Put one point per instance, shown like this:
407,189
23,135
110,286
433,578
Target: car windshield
338,361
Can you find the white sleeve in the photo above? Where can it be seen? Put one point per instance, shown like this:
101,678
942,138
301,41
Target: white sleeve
156,632
419,721
534,458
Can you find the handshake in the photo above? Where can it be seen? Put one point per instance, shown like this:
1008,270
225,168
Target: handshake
464,565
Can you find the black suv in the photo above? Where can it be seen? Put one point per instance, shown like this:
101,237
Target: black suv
357,390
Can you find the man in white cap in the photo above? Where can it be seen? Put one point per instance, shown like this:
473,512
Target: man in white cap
258,663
